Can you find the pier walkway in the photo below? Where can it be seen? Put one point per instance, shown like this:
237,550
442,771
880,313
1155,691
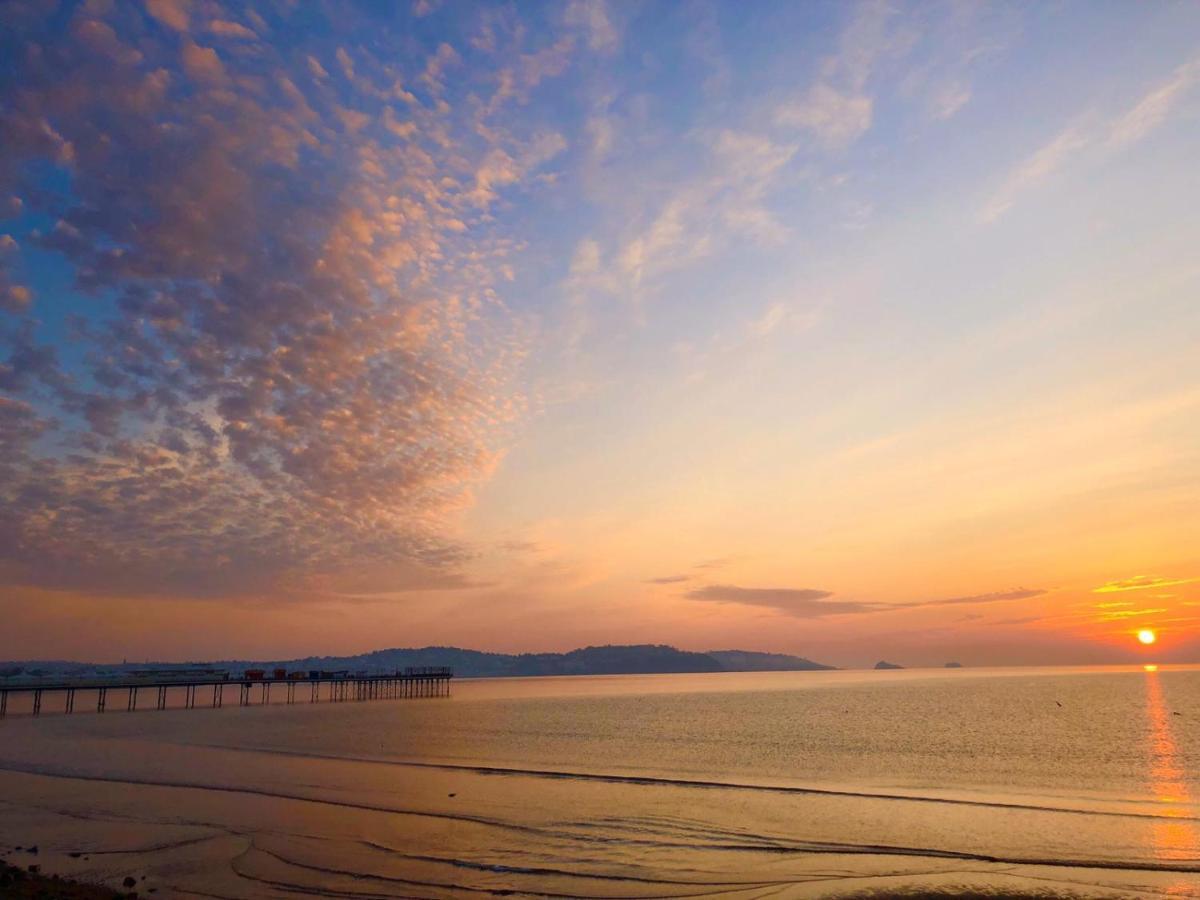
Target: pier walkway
426,681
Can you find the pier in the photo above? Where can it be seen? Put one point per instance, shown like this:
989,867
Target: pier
251,688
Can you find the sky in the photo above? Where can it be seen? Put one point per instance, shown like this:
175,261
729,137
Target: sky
857,331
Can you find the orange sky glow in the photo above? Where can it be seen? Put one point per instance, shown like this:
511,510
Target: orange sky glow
855,331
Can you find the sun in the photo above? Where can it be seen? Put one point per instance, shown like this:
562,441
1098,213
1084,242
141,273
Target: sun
1146,636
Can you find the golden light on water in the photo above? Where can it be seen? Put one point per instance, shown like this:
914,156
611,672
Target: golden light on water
1146,636
1174,835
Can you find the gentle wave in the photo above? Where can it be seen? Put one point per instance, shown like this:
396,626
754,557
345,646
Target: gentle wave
703,784
549,871
717,887
756,844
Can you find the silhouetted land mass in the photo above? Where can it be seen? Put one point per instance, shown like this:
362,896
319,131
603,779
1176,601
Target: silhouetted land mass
883,664
611,660
750,661
954,665
633,659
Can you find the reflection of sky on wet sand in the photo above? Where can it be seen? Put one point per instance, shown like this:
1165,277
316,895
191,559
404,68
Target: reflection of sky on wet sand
1173,839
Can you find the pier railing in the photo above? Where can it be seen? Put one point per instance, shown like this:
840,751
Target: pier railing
337,687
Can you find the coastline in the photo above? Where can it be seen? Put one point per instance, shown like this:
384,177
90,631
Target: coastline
18,884
23,884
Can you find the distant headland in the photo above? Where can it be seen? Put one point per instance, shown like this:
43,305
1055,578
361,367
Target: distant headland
635,659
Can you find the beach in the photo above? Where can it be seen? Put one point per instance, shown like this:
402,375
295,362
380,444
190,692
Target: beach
1049,782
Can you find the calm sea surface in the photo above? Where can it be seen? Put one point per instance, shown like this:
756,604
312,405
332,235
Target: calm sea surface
1071,782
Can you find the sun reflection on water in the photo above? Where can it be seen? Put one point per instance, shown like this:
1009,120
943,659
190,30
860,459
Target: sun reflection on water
1173,840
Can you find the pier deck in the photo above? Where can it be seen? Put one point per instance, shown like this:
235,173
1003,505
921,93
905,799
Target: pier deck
430,681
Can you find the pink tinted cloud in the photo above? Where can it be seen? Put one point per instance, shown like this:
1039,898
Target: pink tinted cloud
306,371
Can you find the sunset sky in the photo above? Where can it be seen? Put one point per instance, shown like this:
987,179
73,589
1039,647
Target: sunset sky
855,331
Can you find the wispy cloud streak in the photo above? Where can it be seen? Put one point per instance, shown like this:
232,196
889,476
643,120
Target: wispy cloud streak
803,603
1135,124
1140,583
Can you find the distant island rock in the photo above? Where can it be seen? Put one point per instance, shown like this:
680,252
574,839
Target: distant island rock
953,665
635,659
883,664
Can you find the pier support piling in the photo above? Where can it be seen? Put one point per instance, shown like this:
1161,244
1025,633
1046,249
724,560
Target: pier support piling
343,687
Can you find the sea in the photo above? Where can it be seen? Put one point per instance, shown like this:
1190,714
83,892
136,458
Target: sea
1052,782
